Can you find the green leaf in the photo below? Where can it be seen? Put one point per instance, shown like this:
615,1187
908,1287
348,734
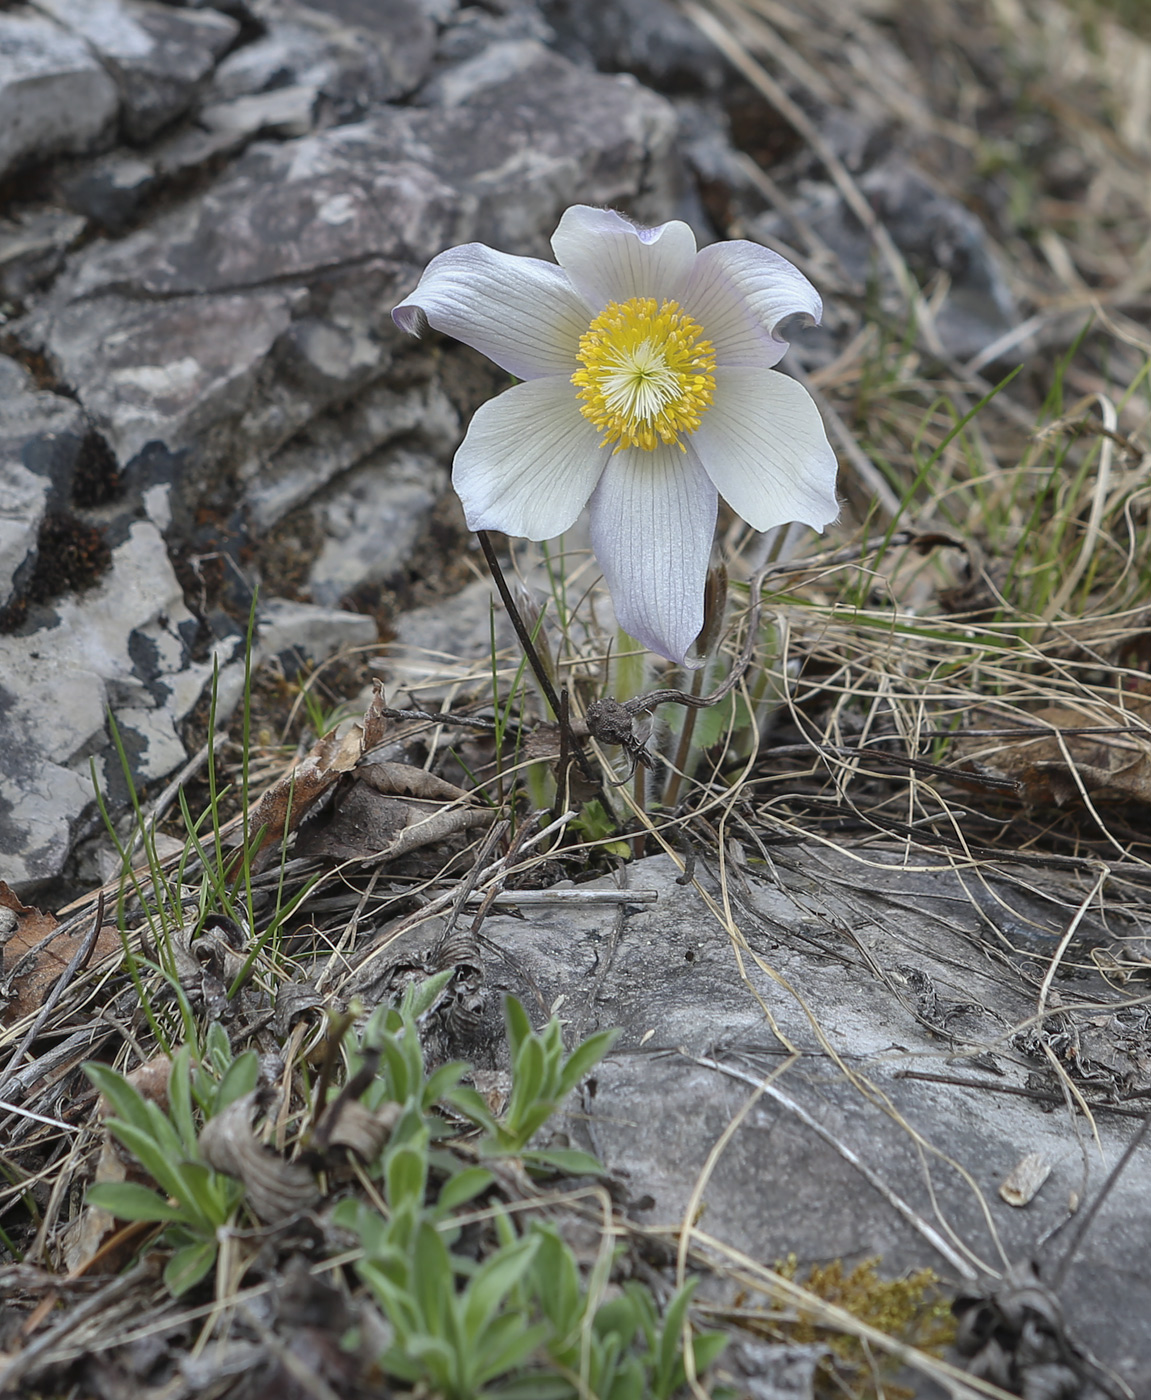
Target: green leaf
519,1027
705,1347
665,1379
493,1281
127,1201
212,1194
523,1125
217,1048
506,1343
366,1224
396,1363
629,1381
180,1101
536,1385
418,999
443,1081
465,1186
406,1175
440,1362
399,1085
583,1058
125,1101
239,1079
162,1132
472,1105
617,1316
568,1161
393,1296
434,1284
189,1265
161,1168
557,1282
527,1083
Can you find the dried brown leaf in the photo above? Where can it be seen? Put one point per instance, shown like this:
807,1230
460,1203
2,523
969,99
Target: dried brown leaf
366,823
281,809
1111,767
274,1189
404,780
35,955
359,1129
375,723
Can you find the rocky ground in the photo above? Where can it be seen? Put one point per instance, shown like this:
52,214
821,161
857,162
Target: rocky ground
207,212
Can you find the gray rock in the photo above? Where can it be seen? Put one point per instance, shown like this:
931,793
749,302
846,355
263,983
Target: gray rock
332,445
377,52
875,972
520,149
371,519
933,231
165,372
40,437
472,30
500,62
445,643
283,112
649,38
298,631
293,210
32,248
158,56
54,97
113,189
351,214
404,34
123,646
120,645
439,11
501,166
187,149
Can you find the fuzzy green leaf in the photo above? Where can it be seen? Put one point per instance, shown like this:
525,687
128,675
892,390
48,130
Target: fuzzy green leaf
126,1102
128,1201
239,1079
568,1161
493,1281
583,1058
472,1105
666,1379
418,1000
406,1174
518,1025
180,1101
465,1186
189,1265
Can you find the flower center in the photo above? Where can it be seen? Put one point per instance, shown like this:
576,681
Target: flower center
647,373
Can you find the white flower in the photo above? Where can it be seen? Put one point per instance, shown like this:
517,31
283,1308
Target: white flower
648,387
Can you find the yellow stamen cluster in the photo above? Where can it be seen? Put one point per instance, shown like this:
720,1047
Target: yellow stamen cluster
647,373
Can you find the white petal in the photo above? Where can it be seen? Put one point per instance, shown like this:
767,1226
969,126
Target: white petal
763,444
608,258
529,462
739,292
520,312
652,522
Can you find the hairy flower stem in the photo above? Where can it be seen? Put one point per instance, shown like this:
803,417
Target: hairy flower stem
533,656
683,750
639,791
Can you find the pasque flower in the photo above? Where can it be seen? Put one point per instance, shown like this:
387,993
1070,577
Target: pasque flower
648,389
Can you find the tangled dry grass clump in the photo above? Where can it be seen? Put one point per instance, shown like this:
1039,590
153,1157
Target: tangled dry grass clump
955,680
